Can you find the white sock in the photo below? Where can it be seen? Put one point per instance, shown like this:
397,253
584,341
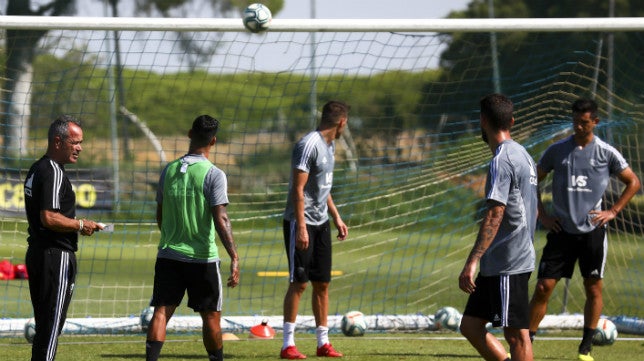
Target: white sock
322,334
289,334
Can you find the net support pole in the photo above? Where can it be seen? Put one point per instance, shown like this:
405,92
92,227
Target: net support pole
564,305
313,92
496,76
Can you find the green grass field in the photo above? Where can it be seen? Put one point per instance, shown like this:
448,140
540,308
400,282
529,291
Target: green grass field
392,271
372,347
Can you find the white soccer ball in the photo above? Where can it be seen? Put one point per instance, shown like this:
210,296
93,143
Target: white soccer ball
257,17
353,324
146,317
30,330
605,333
448,318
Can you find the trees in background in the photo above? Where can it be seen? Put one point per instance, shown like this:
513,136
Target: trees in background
20,53
532,57
21,49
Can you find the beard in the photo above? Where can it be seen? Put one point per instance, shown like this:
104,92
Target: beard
484,136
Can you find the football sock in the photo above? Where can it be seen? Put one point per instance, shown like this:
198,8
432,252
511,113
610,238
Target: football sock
217,355
289,334
152,350
322,334
586,341
532,335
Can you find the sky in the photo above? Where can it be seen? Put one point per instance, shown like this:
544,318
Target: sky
332,9
372,9
297,9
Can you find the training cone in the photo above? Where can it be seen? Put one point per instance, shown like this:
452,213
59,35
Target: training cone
262,330
227,336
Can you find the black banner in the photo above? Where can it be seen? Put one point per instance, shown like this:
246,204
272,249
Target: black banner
93,187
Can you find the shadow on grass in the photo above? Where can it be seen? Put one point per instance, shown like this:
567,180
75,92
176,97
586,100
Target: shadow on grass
139,356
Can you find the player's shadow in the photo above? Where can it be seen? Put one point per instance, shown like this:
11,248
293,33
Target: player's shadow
432,356
139,356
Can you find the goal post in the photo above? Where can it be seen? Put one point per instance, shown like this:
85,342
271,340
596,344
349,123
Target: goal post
326,25
408,182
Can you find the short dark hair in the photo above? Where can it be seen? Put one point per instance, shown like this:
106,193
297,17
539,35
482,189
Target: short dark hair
585,105
498,109
60,127
332,111
204,127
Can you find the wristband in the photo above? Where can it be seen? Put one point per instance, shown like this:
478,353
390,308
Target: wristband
80,225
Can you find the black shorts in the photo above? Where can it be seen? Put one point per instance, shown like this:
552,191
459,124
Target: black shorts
563,249
502,300
314,263
202,281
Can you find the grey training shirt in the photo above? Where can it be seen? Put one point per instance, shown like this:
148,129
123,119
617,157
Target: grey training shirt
580,178
512,181
314,156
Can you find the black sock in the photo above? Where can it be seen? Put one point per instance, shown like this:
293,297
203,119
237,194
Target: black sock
152,350
217,355
586,341
532,334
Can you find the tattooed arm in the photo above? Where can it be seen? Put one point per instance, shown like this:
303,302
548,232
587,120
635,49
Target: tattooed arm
487,232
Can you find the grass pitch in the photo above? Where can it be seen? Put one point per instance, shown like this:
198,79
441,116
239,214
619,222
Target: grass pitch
371,347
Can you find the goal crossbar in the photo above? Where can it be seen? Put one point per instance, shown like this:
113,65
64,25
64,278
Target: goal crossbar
326,25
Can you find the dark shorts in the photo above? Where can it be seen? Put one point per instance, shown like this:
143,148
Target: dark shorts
314,263
202,281
502,300
563,249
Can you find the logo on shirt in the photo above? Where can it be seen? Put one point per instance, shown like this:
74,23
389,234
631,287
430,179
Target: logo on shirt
533,175
579,184
579,181
29,185
328,180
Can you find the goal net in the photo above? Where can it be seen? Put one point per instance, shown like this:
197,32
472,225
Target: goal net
410,170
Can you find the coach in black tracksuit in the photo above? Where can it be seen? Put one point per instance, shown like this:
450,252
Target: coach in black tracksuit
50,203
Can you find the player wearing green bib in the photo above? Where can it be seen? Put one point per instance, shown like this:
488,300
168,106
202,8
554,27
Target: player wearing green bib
191,209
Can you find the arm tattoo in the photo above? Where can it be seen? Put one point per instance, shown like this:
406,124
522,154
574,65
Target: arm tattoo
487,232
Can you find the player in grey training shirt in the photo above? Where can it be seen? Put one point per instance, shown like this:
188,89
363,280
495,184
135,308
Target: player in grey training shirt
312,155
582,165
512,181
307,234
504,245
580,178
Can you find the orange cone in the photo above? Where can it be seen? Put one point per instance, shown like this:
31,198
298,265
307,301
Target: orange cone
262,330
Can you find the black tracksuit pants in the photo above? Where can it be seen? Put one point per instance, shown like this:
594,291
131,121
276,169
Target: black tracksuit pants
52,273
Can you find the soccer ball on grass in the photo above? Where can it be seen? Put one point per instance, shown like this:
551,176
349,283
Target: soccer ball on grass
448,318
30,330
146,317
353,324
605,333
257,17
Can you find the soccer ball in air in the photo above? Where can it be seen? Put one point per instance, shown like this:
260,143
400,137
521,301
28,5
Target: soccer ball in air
30,330
447,318
605,333
257,17
353,324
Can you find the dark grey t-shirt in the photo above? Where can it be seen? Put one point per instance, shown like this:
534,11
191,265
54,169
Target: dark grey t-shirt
579,180
512,181
314,156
